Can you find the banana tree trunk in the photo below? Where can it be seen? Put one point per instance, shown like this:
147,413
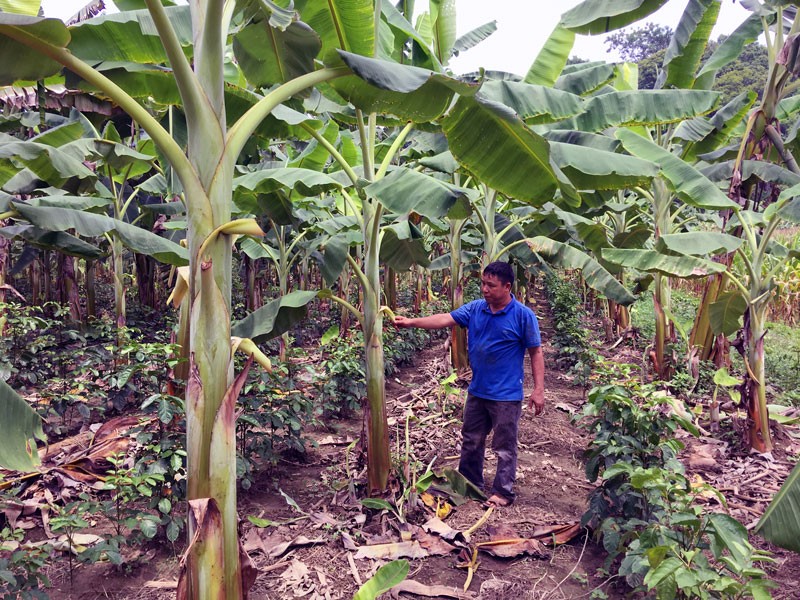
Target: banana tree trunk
664,331
701,336
755,395
68,287
378,431
390,287
91,295
119,285
459,357
146,270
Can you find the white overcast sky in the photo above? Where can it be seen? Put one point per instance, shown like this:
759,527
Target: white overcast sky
522,28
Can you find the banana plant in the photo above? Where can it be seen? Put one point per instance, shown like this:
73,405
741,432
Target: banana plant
212,568
761,138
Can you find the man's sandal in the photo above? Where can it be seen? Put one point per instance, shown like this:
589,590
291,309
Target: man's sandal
497,501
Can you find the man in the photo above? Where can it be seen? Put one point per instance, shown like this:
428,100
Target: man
500,331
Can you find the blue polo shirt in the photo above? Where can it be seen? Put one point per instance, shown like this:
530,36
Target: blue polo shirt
497,345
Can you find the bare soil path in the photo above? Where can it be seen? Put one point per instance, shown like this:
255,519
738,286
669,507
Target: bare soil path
310,550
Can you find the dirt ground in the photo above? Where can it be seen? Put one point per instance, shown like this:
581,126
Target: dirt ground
310,553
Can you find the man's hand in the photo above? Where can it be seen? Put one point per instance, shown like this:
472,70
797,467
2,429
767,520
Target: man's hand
401,321
536,401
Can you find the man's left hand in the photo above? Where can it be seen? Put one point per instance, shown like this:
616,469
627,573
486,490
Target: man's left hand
536,401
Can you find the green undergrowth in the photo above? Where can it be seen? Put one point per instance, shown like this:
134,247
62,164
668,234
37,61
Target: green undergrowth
781,346
574,352
651,520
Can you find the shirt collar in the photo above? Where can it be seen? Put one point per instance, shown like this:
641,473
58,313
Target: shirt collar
503,310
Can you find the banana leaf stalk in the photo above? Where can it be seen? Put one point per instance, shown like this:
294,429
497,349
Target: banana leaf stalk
459,358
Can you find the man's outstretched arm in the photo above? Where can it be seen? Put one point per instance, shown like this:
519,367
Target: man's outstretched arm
536,400
436,321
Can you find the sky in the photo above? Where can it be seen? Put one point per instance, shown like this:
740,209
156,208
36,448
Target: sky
522,28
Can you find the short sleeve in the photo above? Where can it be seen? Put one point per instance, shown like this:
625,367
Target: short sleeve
533,338
462,314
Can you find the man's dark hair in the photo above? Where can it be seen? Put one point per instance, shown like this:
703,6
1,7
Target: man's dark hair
501,270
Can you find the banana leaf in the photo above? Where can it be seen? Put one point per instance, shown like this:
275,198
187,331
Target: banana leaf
401,90
274,318
552,58
641,107
725,313
19,426
586,81
688,44
534,104
92,225
404,191
687,182
780,523
601,16
685,267
26,64
519,163
596,277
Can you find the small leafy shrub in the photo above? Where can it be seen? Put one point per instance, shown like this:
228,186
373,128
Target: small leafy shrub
570,336
644,510
22,566
344,382
274,415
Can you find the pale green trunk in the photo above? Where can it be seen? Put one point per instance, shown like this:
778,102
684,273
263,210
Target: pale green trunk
378,434
755,381
458,335
120,309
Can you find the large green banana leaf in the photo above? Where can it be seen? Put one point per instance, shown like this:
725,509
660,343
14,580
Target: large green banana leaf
19,425
725,313
729,50
28,65
403,246
265,181
641,107
698,243
587,80
582,138
92,225
601,16
592,169
518,164
763,171
780,523
402,31
275,317
687,182
443,21
401,90
404,191
708,134
341,25
52,240
269,55
688,44
596,277
533,103
552,58
128,36
472,38
261,192
69,131
49,164
315,156
655,262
